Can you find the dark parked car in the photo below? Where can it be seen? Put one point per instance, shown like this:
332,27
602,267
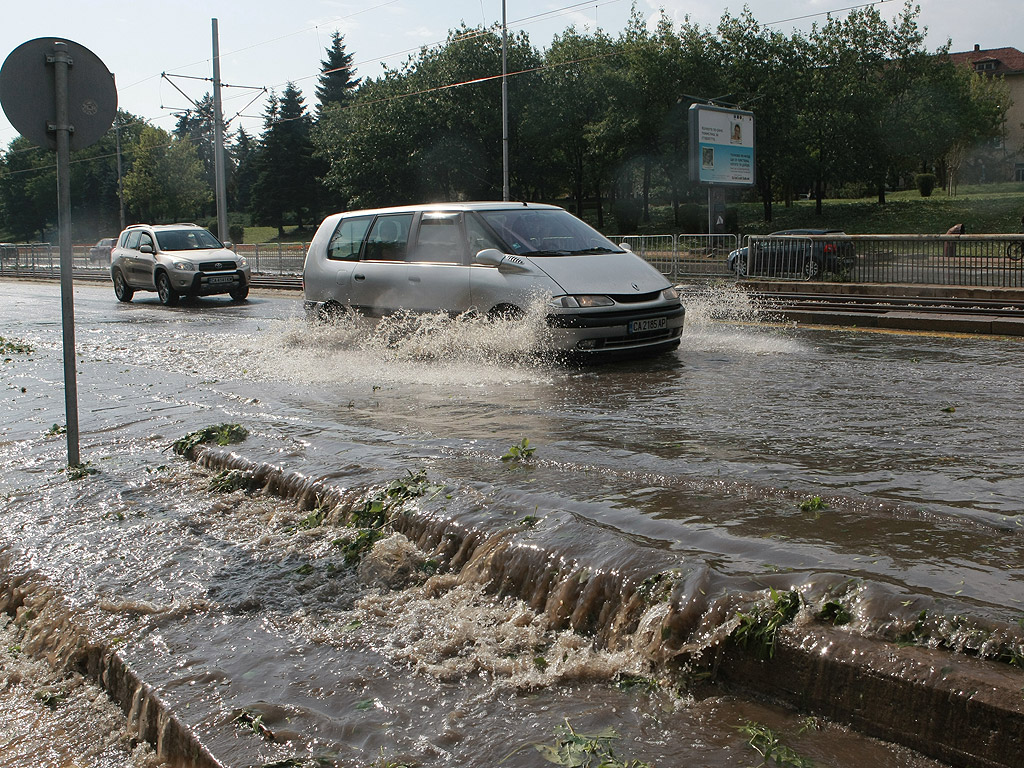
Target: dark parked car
100,253
804,252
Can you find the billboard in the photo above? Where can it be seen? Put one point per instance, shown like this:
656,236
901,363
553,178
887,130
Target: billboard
721,146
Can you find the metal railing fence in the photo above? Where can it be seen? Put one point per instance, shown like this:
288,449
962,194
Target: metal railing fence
43,259
957,260
683,256
953,260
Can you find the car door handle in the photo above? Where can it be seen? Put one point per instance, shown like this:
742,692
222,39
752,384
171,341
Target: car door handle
414,278
358,276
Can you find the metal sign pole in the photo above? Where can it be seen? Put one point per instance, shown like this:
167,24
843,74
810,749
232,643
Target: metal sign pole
61,61
29,89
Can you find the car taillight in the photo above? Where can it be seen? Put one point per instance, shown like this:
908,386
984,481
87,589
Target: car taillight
830,247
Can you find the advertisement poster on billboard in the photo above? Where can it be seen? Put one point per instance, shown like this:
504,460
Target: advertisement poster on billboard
721,146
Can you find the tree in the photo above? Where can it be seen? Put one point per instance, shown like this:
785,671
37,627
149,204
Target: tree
336,82
244,154
166,182
28,190
765,72
571,98
285,173
429,130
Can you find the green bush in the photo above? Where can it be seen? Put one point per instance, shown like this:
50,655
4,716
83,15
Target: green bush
925,183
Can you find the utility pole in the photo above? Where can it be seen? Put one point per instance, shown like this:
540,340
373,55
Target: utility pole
218,140
506,193
120,177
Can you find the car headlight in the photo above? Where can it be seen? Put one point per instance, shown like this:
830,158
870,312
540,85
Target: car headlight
670,294
585,300
242,261
185,266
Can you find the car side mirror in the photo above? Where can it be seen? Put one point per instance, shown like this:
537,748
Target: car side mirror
625,247
147,248
228,244
489,257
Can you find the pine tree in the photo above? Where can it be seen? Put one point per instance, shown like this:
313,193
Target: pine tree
336,81
285,177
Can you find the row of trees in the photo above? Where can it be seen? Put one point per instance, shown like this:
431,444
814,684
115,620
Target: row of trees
857,104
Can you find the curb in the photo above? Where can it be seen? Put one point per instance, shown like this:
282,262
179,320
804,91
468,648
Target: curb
66,644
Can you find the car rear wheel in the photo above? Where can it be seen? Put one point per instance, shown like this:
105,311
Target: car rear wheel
164,290
329,312
811,269
122,290
240,293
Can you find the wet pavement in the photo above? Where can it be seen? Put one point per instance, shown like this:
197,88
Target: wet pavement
880,469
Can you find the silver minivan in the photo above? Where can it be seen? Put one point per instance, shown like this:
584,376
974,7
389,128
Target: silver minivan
501,260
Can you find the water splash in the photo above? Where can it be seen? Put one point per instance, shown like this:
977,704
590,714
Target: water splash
723,316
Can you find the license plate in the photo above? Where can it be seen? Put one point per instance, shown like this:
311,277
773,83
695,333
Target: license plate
221,279
651,324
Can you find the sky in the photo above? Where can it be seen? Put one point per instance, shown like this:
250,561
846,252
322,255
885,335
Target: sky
267,43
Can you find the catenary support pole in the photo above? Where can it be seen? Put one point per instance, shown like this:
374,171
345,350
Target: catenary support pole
506,192
218,140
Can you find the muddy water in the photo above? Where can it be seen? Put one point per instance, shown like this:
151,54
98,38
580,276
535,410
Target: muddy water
704,464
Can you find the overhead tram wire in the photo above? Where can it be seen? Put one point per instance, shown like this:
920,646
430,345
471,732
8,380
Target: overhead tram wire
826,13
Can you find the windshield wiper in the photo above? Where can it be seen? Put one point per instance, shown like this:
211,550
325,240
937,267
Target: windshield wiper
548,253
599,249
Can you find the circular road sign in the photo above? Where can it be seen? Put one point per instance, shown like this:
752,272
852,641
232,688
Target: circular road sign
28,93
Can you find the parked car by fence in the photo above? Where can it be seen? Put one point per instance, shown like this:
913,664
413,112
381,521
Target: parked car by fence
100,253
805,252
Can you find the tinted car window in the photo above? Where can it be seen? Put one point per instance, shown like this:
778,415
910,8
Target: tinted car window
133,239
439,239
389,238
348,238
548,232
186,240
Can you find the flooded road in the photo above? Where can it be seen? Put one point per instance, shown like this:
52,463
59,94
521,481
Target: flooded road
879,471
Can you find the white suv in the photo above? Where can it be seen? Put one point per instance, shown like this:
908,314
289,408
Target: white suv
176,260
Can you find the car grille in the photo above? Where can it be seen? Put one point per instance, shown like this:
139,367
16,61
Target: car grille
216,266
635,298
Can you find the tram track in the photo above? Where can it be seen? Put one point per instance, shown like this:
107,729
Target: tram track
881,305
992,314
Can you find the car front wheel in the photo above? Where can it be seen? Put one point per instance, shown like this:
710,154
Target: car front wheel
121,288
164,290
240,293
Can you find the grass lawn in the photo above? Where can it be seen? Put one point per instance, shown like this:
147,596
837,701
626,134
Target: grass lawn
983,209
269,234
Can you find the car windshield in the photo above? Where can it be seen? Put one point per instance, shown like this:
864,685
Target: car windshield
186,240
546,232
